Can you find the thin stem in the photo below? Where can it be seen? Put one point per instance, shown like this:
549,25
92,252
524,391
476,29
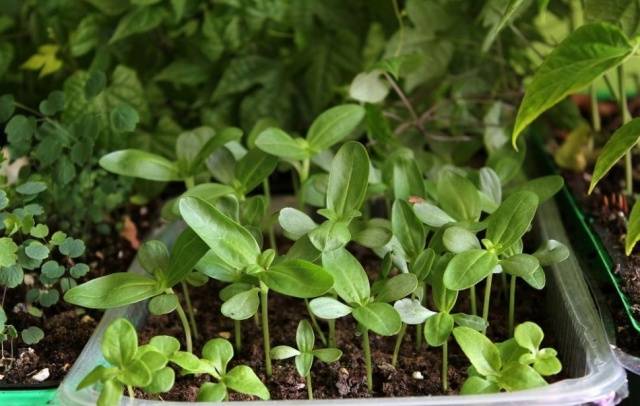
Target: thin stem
367,357
309,387
266,342
192,317
332,333
396,348
131,393
185,326
626,117
237,334
272,235
404,98
189,182
304,172
512,303
445,366
595,112
504,289
612,89
315,324
396,11
487,297
472,298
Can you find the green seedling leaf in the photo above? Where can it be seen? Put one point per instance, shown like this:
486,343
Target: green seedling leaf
253,168
537,279
438,328
242,306
212,392
467,320
633,229
330,235
412,312
230,242
407,229
458,240
517,377
577,61
298,278
468,268
219,351
328,355
512,219
124,118
32,335
369,87
114,290
459,196
396,288
304,362
329,308
8,250
111,393
475,385
407,179
37,250
187,251
482,353
491,185
334,125
305,339
295,223
544,187
551,252
529,335
162,381
381,318
283,352
350,279
521,265
348,180
136,374
167,345
31,188
432,215
153,255
120,343
163,304
242,379
140,164
72,248
276,142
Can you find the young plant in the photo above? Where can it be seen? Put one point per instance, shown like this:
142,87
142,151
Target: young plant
130,365
163,272
371,311
235,256
305,353
413,313
506,366
216,355
328,129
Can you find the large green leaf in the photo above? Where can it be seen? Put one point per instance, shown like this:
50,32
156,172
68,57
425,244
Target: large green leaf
333,125
620,143
276,142
350,279
625,13
114,290
119,343
583,56
230,242
186,253
381,318
458,196
407,229
348,179
253,168
139,20
482,353
140,164
298,278
512,219
468,268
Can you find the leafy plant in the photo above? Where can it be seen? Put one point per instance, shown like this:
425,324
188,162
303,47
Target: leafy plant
305,353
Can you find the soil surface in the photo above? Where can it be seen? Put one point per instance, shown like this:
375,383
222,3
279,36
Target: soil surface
67,328
417,373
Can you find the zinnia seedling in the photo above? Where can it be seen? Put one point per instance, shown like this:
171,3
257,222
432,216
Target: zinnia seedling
305,353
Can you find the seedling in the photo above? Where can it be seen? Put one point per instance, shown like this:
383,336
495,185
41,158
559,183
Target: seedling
131,366
236,257
506,366
216,355
305,353
163,273
372,312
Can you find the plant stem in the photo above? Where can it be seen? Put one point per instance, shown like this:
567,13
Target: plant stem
237,334
266,342
367,357
131,393
189,182
419,335
396,349
304,173
445,366
192,317
472,299
185,326
487,297
332,333
512,303
309,387
314,323
595,113
626,117
272,234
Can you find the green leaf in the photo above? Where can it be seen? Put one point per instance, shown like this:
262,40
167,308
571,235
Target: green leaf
620,143
19,130
297,278
551,252
491,185
136,373
576,62
304,362
333,125
468,268
32,335
547,366
153,255
163,304
242,306
633,229
165,344
73,248
522,265
212,392
458,240
140,164
31,188
329,308
474,385
537,279
8,250
253,168
37,250
529,335
438,328
242,379
328,355
407,179
219,351
411,311
544,187
7,107
350,279
468,320
407,229
283,352
52,270
53,104
96,375
369,87
396,288
512,219
507,14
459,196
86,35
276,142
482,353
432,215
231,242
139,20
515,377
119,343
295,222
114,290
124,118
381,318
330,235
162,381
111,393
305,339
348,180
187,251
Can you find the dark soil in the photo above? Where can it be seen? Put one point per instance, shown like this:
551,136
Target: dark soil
417,373
66,328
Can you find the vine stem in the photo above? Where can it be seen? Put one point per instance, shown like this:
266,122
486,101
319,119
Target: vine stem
487,298
309,387
472,298
445,366
266,341
185,326
237,334
512,303
626,117
396,348
315,324
332,333
367,357
595,113
192,317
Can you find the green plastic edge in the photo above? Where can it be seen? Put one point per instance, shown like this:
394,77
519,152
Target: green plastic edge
603,258
28,397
